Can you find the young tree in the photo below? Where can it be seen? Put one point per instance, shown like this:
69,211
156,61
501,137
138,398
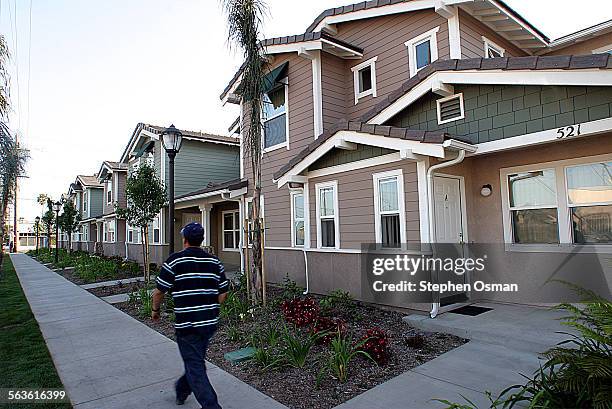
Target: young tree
244,20
146,196
69,221
48,221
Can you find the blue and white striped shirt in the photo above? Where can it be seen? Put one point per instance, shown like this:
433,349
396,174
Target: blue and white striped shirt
195,279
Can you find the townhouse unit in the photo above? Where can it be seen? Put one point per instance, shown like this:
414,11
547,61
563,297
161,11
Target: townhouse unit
87,195
204,161
403,123
112,175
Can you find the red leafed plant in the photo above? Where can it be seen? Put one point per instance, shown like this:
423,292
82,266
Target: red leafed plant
327,328
376,345
300,311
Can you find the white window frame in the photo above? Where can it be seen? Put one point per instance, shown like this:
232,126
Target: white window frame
294,219
488,44
106,224
86,203
461,107
136,235
109,189
285,144
376,179
563,208
432,37
233,230
85,233
156,225
336,217
356,72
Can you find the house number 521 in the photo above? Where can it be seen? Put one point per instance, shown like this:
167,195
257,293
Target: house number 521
568,131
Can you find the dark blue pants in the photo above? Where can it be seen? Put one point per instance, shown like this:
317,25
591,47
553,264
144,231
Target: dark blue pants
192,346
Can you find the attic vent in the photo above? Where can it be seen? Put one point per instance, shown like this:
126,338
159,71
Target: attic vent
450,108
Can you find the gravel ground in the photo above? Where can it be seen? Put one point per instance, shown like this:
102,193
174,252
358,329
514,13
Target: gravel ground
310,387
122,288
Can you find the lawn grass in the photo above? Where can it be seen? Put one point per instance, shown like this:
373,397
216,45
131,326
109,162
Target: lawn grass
24,359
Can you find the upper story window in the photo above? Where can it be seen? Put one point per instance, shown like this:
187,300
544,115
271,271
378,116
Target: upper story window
364,79
109,191
492,50
328,229
274,118
85,202
567,201
422,50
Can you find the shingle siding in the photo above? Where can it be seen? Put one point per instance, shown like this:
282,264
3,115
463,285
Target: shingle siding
497,112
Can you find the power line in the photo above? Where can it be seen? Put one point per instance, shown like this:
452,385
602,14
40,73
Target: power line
29,73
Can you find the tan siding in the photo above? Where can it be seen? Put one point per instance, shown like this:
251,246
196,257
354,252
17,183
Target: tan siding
472,45
356,204
334,77
121,197
385,37
585,47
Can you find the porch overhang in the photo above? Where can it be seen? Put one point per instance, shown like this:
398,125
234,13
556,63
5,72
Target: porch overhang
230,190
410,144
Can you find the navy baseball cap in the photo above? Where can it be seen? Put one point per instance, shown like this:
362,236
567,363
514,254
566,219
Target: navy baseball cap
193,232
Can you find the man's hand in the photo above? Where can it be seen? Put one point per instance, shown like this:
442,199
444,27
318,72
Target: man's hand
155,316
156,300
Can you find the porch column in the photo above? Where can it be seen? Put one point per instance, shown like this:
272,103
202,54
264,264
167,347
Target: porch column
206,209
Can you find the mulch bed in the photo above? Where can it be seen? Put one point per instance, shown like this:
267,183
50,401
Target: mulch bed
122,288
305,387
71,276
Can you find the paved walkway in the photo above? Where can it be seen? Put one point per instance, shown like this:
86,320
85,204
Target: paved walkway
105,358
504,343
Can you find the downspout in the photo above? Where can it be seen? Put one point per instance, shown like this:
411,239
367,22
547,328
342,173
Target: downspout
430,208
305,269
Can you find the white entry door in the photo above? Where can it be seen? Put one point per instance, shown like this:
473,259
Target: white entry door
448,210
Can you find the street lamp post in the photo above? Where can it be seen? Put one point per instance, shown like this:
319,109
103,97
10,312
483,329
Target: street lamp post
171,139
57,207
36,227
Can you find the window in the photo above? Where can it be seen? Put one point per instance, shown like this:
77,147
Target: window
85,233
589,195
327,215
450,108
109,231
492,50
568,201
390,222
274,117
297,219
85,202
156,229
364,79
422,50
231,230
133,235
533,206
109,191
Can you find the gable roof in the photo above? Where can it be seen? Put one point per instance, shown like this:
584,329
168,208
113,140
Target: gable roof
581,35
89,181
531,63
433,137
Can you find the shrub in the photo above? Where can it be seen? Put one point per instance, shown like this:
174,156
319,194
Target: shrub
300,311
290,290
142,299
325,329
265,358
94,268
296,348
343,351
130,267
376,343
235,307
337,299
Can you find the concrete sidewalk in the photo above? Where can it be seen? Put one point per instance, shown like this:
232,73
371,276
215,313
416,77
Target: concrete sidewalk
504,343
105,358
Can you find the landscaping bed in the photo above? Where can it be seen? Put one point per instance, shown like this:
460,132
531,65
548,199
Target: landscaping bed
326,330
122,288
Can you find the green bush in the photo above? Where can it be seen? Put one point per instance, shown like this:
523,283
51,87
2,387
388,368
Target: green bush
143,301
343,352
296,348
235,307
290,290
337,299
94,268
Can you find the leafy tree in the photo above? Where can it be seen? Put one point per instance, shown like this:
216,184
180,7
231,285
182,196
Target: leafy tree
69,220
146,196
244,20
42,199
48,221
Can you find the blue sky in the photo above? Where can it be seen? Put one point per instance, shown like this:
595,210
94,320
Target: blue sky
96,69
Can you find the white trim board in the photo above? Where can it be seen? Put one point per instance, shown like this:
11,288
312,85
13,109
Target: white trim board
587,77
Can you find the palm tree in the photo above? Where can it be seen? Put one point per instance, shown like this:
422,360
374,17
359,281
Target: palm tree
244,20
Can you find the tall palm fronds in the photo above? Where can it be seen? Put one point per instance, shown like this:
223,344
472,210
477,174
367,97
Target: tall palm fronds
4,80
244,19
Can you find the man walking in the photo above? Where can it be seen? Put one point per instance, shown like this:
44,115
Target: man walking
198,286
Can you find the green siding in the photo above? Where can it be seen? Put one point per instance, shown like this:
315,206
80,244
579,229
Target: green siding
342,156
197,164
97,195
504,111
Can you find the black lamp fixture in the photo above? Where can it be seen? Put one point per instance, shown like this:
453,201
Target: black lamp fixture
36,227
172,139
57,206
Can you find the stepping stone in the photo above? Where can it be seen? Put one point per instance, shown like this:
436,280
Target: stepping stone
240,355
